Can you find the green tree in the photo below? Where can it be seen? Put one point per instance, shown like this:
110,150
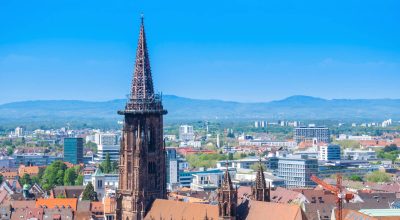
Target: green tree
355,177
53,175
378,177
10,151
105,166
1,178
89,193
390,148
26,179
91,146
79,180
70,177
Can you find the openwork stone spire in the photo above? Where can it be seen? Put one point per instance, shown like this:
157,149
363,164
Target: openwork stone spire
142,99
227,198
260,191
142,83
260,178
227,182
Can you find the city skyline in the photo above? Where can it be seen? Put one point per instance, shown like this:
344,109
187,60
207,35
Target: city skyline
255,52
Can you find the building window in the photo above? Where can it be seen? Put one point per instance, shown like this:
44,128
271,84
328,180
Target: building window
150,140
152,168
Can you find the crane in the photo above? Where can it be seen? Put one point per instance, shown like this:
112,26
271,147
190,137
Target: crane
337,190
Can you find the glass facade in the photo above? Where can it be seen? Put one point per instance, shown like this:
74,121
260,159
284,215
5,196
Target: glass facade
73,150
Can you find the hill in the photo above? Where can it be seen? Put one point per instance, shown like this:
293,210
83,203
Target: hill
179,108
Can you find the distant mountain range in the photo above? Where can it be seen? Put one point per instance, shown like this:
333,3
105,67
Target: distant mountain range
179,108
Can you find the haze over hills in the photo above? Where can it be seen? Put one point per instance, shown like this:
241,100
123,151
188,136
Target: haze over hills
179,108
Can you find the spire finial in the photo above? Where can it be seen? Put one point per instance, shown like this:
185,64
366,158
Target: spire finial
142,18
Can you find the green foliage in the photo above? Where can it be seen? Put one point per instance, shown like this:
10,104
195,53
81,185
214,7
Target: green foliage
79,180
70,177
355,177
107,166
92,146
204,160
60,196
378,177
10,151
390,148
347,143
89,193
1,178
26,179
53,175
391,155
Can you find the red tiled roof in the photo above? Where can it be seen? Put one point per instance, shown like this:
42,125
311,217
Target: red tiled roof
57,202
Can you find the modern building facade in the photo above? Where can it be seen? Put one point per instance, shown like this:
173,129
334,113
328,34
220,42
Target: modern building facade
329,152
35,159
350,154
186,133
297,171
142,170
172,168
320,134
107,143
73,150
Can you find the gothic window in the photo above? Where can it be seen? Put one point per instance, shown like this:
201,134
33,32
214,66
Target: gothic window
152,168
150,140
129,166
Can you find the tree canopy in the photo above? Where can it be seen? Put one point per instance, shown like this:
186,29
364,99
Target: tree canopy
378,177
89,193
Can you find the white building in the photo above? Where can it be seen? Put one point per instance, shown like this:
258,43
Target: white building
186,133
19,132
206,181
359,154
101,182
195,144
329,152
355,138
245,163
107,143
248,178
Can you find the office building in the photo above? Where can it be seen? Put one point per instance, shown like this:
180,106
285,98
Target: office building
350,154
297,171
35,159
172,168
107,143
19,132
329,152
73,150
186,133
320,134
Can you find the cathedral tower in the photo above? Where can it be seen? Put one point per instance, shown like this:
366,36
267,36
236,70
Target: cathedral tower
227,199
260,191
142,172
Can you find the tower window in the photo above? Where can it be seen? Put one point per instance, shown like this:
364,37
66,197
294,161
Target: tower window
150,140
152,168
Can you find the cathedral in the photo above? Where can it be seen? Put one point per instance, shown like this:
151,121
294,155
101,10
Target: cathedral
142,191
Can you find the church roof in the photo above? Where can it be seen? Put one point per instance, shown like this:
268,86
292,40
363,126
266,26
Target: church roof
249,210
169,209
258,210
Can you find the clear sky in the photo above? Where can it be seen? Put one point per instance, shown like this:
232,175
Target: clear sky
248,50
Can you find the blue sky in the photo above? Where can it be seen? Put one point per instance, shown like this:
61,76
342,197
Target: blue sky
253,50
